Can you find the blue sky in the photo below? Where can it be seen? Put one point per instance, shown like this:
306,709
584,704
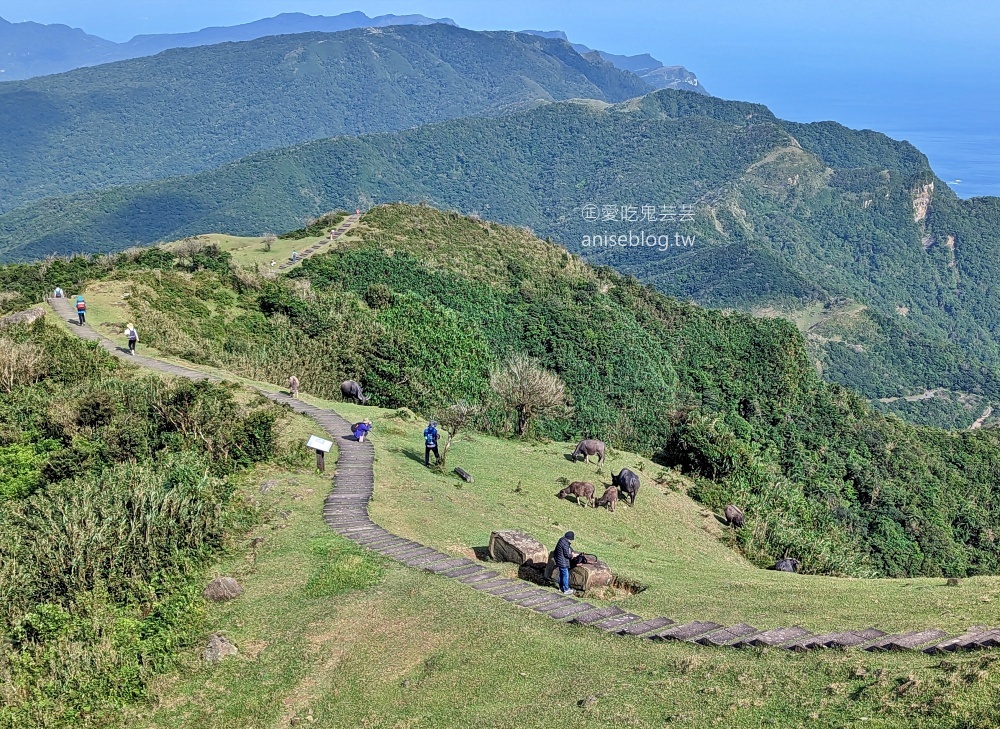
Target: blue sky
917,69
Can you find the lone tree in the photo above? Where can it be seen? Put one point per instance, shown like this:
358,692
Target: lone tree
529,390
454,418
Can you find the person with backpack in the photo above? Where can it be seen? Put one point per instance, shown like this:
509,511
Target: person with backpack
58,293
133,337
563,556
361,430
431,444
81,309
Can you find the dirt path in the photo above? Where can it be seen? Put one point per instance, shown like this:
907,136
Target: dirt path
982,419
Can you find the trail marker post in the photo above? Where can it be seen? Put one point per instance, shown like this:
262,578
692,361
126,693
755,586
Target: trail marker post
322,447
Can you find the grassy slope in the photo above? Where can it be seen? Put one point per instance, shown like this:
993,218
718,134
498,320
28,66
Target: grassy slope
309,648
414,649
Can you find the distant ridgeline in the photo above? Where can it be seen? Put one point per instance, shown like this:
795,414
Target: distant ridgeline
191,109
425,303
890,275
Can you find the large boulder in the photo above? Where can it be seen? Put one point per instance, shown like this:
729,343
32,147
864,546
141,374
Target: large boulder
218,648
517,547
583,577
29,316
222,588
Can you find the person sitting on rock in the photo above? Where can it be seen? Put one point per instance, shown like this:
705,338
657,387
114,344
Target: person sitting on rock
564,556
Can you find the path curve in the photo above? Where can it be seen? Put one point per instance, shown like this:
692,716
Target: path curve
346,512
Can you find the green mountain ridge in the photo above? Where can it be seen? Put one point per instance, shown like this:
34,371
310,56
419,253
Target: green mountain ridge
191,109
785,216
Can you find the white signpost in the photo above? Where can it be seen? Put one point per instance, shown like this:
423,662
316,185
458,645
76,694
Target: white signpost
322,447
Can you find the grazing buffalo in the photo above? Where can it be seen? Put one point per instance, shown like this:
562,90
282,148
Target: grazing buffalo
351,390
583,491
610,498
787,564
588,448
628,483
734,517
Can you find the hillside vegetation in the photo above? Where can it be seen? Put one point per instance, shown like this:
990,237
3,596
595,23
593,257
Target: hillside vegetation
117,490
422,304
786,216
192,109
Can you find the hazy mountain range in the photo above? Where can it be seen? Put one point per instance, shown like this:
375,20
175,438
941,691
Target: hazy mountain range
35,49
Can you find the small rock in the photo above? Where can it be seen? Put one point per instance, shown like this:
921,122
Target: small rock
218,648
268,485
587,702
297,497
223,588
953,582
256,542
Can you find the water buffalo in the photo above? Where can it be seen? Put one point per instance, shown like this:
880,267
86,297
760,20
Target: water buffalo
589,447
351,390
628,483
610,498
734,517
583,491
787,564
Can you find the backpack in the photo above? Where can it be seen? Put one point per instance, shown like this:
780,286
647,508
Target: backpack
81,306
431,437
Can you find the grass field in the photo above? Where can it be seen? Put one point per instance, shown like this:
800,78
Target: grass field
333,636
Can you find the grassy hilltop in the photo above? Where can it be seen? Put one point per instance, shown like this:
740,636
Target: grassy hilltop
419,305
707,406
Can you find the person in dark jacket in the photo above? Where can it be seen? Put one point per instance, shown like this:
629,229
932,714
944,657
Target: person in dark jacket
563,556
431,443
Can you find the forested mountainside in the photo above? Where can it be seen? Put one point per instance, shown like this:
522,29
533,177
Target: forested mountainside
421,306
192,109
889,274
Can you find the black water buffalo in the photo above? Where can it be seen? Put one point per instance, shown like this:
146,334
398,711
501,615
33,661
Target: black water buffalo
734,516
589,447
351,390
583,491
787,564
628,483
610,498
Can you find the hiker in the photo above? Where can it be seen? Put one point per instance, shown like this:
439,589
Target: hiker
431,444
81,309
58,293
361,430
563,556
133,337
293,386
295,256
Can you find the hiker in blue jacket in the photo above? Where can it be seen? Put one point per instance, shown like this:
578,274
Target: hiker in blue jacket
431,444
563,556
81,309
361,430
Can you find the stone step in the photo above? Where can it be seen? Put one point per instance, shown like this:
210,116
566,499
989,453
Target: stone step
549,607
726,635
969,640
597,615
465,571
448,564
771,638
492,584
616,623
844,639
686,631
479,576
645,626
532,599
427,559
907,641
569,610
